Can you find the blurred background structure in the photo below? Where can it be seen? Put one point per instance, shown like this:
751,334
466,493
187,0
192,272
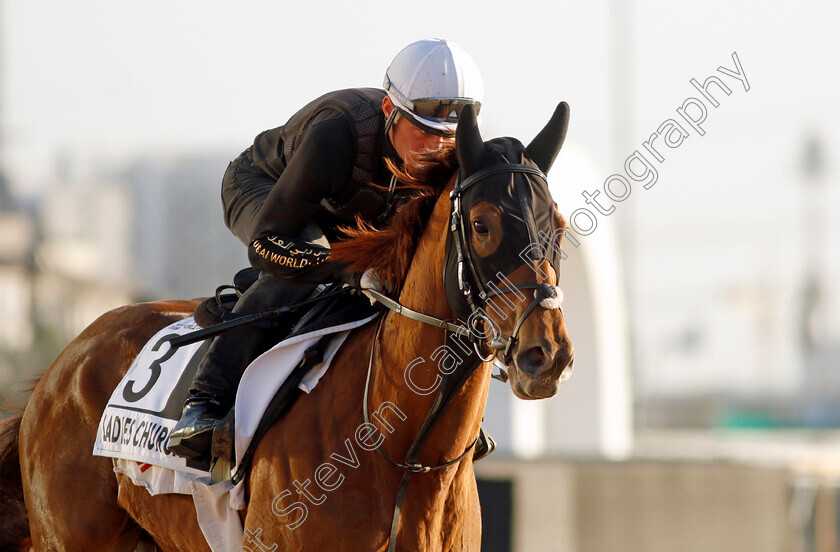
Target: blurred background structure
705,406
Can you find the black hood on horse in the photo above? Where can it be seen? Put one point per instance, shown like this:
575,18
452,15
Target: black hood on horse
516,205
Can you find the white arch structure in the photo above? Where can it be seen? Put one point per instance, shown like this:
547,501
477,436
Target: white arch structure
592,413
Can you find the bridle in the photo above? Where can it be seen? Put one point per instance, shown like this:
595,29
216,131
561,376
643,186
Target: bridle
471,286
475,294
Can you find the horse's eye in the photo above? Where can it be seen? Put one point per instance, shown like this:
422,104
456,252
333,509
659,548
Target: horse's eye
480,227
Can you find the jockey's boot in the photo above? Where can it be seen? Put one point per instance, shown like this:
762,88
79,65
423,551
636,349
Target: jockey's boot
484,445
213,390
193,434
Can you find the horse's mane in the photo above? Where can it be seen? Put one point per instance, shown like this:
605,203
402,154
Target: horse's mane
388,251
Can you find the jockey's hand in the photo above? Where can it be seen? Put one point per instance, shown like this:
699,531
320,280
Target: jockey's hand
369,281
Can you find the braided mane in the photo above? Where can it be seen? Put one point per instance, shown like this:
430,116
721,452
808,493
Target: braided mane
388,251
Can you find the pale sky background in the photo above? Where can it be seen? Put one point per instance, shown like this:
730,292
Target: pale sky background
110,80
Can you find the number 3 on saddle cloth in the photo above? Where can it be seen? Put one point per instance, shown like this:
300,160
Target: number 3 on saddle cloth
147,403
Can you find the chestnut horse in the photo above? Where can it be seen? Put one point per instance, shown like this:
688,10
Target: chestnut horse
320,479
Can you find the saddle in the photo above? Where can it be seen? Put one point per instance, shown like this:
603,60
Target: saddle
334,309
217,309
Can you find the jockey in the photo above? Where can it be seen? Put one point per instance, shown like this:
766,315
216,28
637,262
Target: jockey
285,195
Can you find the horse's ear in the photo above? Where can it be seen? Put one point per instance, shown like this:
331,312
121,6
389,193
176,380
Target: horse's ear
468,143
545,146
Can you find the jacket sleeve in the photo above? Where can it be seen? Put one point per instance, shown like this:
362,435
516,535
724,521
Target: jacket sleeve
284,243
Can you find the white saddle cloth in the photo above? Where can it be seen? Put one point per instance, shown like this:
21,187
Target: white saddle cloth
147,404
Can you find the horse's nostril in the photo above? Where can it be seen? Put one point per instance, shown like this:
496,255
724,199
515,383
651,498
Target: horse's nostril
532,360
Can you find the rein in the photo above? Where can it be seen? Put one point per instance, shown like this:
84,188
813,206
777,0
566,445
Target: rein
501,345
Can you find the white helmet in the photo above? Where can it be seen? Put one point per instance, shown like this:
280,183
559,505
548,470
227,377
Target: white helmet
431,81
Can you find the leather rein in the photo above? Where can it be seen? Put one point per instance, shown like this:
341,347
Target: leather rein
500,345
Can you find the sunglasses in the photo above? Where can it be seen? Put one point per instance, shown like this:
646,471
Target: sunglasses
425,128
441,110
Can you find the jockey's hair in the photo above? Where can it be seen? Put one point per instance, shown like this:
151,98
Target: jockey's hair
430,167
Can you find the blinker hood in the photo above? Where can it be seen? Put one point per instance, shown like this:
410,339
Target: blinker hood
519,190
528,227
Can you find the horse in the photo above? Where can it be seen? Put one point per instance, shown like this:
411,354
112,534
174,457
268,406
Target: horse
356,465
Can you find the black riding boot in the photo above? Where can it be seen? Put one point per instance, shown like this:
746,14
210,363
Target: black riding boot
193,435
214,387
213,390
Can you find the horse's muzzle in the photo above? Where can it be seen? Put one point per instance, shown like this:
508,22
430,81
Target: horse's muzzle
542,368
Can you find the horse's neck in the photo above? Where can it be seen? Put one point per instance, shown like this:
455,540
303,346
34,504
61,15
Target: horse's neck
408,345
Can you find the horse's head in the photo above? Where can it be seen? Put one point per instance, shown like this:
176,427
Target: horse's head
503,252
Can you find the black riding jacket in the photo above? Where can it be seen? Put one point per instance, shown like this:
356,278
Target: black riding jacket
324,161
